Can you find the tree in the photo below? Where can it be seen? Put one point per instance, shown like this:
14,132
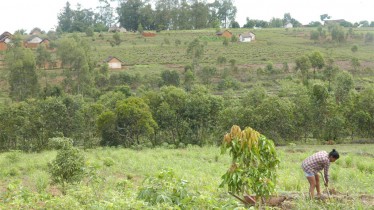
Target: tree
195,51
184,20
254,162
274,117
199,15
116,39
276,23
255,23
317,61
207,74
319,101
314,35
303,64
133,119
189,79
226,12
201,113
315,24
140,28
324,17
302,112
128,13
343,85
68,167
23,79
147,17
65,18
337,34
43,57
355,63
354,48
330,71
75,56
170,78
105,15
234,24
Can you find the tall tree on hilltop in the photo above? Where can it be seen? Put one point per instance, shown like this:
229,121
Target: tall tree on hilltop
129,14
184,16
226,11
105,13
65,18
166,16
147,17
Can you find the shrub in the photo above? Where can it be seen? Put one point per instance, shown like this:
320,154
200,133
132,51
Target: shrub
68,167
165,188
108,162
59,143
354,48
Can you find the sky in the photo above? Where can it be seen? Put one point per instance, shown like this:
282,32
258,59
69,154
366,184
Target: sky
25,14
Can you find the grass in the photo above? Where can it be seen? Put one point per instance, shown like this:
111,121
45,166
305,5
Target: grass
115,176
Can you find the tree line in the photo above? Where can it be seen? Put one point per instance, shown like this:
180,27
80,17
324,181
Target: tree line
140,14
175,117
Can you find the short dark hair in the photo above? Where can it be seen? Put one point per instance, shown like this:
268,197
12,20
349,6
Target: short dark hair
334,154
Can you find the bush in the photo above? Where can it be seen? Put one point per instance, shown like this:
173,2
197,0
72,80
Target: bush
108,162
165,188
68,167
59,143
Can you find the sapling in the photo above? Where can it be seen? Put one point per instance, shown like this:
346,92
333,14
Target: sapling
254,163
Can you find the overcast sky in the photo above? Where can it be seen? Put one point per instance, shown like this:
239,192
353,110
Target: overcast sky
25,14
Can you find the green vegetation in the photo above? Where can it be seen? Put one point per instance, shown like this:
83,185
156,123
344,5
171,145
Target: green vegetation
186,178
160,118
194,87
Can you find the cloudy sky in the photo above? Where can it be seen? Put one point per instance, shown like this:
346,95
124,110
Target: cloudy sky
21,14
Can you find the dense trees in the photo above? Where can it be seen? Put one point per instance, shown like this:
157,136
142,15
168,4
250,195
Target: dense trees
74,55
23,78
170,14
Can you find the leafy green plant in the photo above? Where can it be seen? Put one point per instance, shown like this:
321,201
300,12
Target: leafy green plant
165,188
68,167
254,162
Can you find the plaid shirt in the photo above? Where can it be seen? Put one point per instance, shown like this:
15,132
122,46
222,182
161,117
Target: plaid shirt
316,163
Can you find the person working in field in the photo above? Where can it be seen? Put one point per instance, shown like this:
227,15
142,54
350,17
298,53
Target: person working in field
315,163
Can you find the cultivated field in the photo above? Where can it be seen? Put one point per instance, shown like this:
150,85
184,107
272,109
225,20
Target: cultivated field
114,179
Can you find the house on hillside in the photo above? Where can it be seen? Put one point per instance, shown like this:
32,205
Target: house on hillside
225,33
113,62
36,31
247,37
34,41
5,39
3,45
6,34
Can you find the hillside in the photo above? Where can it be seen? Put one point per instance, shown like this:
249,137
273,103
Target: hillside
275,47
